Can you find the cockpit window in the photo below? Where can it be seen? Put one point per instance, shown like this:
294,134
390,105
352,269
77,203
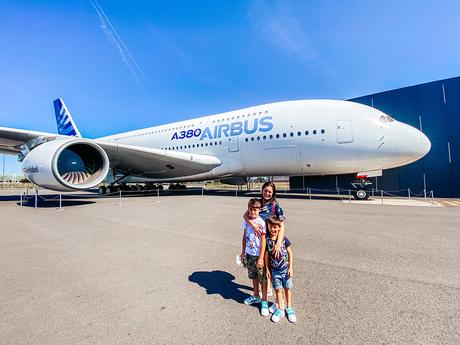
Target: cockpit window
386,118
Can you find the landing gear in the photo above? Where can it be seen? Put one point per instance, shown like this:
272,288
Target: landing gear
177,186
360,194
361,184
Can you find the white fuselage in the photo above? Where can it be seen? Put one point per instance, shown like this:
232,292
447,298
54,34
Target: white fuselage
306,137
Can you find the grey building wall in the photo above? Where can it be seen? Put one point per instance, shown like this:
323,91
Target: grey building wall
435,109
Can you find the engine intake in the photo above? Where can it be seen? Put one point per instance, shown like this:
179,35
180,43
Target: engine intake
66,164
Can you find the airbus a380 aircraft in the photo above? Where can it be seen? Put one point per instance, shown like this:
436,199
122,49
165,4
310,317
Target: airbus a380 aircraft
305,137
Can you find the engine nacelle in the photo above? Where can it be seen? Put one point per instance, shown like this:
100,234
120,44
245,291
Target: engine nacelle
235,181
66,164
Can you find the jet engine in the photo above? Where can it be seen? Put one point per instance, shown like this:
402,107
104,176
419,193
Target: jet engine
235,181
66,164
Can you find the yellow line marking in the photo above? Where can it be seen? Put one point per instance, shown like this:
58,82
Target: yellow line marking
450,203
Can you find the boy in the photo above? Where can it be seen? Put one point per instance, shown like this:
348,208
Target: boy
279,270
253,249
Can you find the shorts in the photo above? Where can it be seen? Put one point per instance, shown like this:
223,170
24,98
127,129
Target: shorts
281,280
253,271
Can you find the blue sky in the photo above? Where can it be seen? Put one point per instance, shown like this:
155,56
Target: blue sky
122,65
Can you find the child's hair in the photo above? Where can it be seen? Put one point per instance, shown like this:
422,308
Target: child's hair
274,220
272,185
254,202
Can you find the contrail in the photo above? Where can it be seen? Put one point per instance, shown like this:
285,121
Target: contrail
109,30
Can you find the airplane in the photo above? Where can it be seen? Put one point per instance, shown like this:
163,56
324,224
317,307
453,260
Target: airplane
290,138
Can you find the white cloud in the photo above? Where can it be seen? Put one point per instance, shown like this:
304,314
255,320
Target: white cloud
278,25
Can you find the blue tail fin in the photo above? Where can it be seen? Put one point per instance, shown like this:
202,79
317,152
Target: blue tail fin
65,124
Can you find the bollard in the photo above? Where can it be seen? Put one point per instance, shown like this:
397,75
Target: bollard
60,202
424,194
236,192
338,191
381,193
20,200
408,192
349,196
202,191
158,195
36,197
432,197
372,191
119,202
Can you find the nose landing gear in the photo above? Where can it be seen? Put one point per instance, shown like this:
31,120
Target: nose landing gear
361,185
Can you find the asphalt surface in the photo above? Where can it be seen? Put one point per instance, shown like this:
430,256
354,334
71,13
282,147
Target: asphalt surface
149,272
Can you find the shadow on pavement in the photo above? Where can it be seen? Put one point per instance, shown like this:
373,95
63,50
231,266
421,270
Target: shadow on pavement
221,283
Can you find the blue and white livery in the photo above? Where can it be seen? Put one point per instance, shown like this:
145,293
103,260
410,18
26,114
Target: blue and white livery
304,137
64,121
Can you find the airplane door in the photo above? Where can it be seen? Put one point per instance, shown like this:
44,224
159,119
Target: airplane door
344,132
233,144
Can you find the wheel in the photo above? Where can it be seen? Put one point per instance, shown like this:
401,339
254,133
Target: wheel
101,190
360,194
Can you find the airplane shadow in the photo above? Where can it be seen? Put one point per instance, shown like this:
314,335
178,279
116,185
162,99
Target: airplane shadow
221,283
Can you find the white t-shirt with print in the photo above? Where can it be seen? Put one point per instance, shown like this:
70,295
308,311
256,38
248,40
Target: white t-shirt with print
253,241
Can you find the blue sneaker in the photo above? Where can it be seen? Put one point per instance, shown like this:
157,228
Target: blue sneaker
264,309
277,315
291,315
252,299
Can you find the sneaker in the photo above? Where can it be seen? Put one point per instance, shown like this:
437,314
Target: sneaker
291,315
251,300
269,292
273,308
264,309
277,315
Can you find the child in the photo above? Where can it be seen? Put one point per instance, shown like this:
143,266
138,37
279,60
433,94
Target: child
279,270
253,249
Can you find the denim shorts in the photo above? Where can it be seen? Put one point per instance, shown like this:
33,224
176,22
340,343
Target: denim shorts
281,280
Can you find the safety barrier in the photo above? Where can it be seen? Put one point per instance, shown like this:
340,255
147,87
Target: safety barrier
307,193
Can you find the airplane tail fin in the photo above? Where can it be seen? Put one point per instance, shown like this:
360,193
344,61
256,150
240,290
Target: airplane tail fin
65,123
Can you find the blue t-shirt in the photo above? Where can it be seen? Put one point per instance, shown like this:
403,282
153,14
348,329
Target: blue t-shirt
280,263
270,209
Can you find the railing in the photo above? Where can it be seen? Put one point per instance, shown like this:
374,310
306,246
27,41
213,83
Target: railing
35,197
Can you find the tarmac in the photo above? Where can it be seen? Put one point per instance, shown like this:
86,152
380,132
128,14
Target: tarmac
151,270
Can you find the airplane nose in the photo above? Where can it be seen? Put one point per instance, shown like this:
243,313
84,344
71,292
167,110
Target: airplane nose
425,145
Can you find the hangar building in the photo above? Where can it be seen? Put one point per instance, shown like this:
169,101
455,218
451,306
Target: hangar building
434,108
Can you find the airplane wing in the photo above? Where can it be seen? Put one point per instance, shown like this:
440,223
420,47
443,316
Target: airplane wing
129,159
156,163
11,139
